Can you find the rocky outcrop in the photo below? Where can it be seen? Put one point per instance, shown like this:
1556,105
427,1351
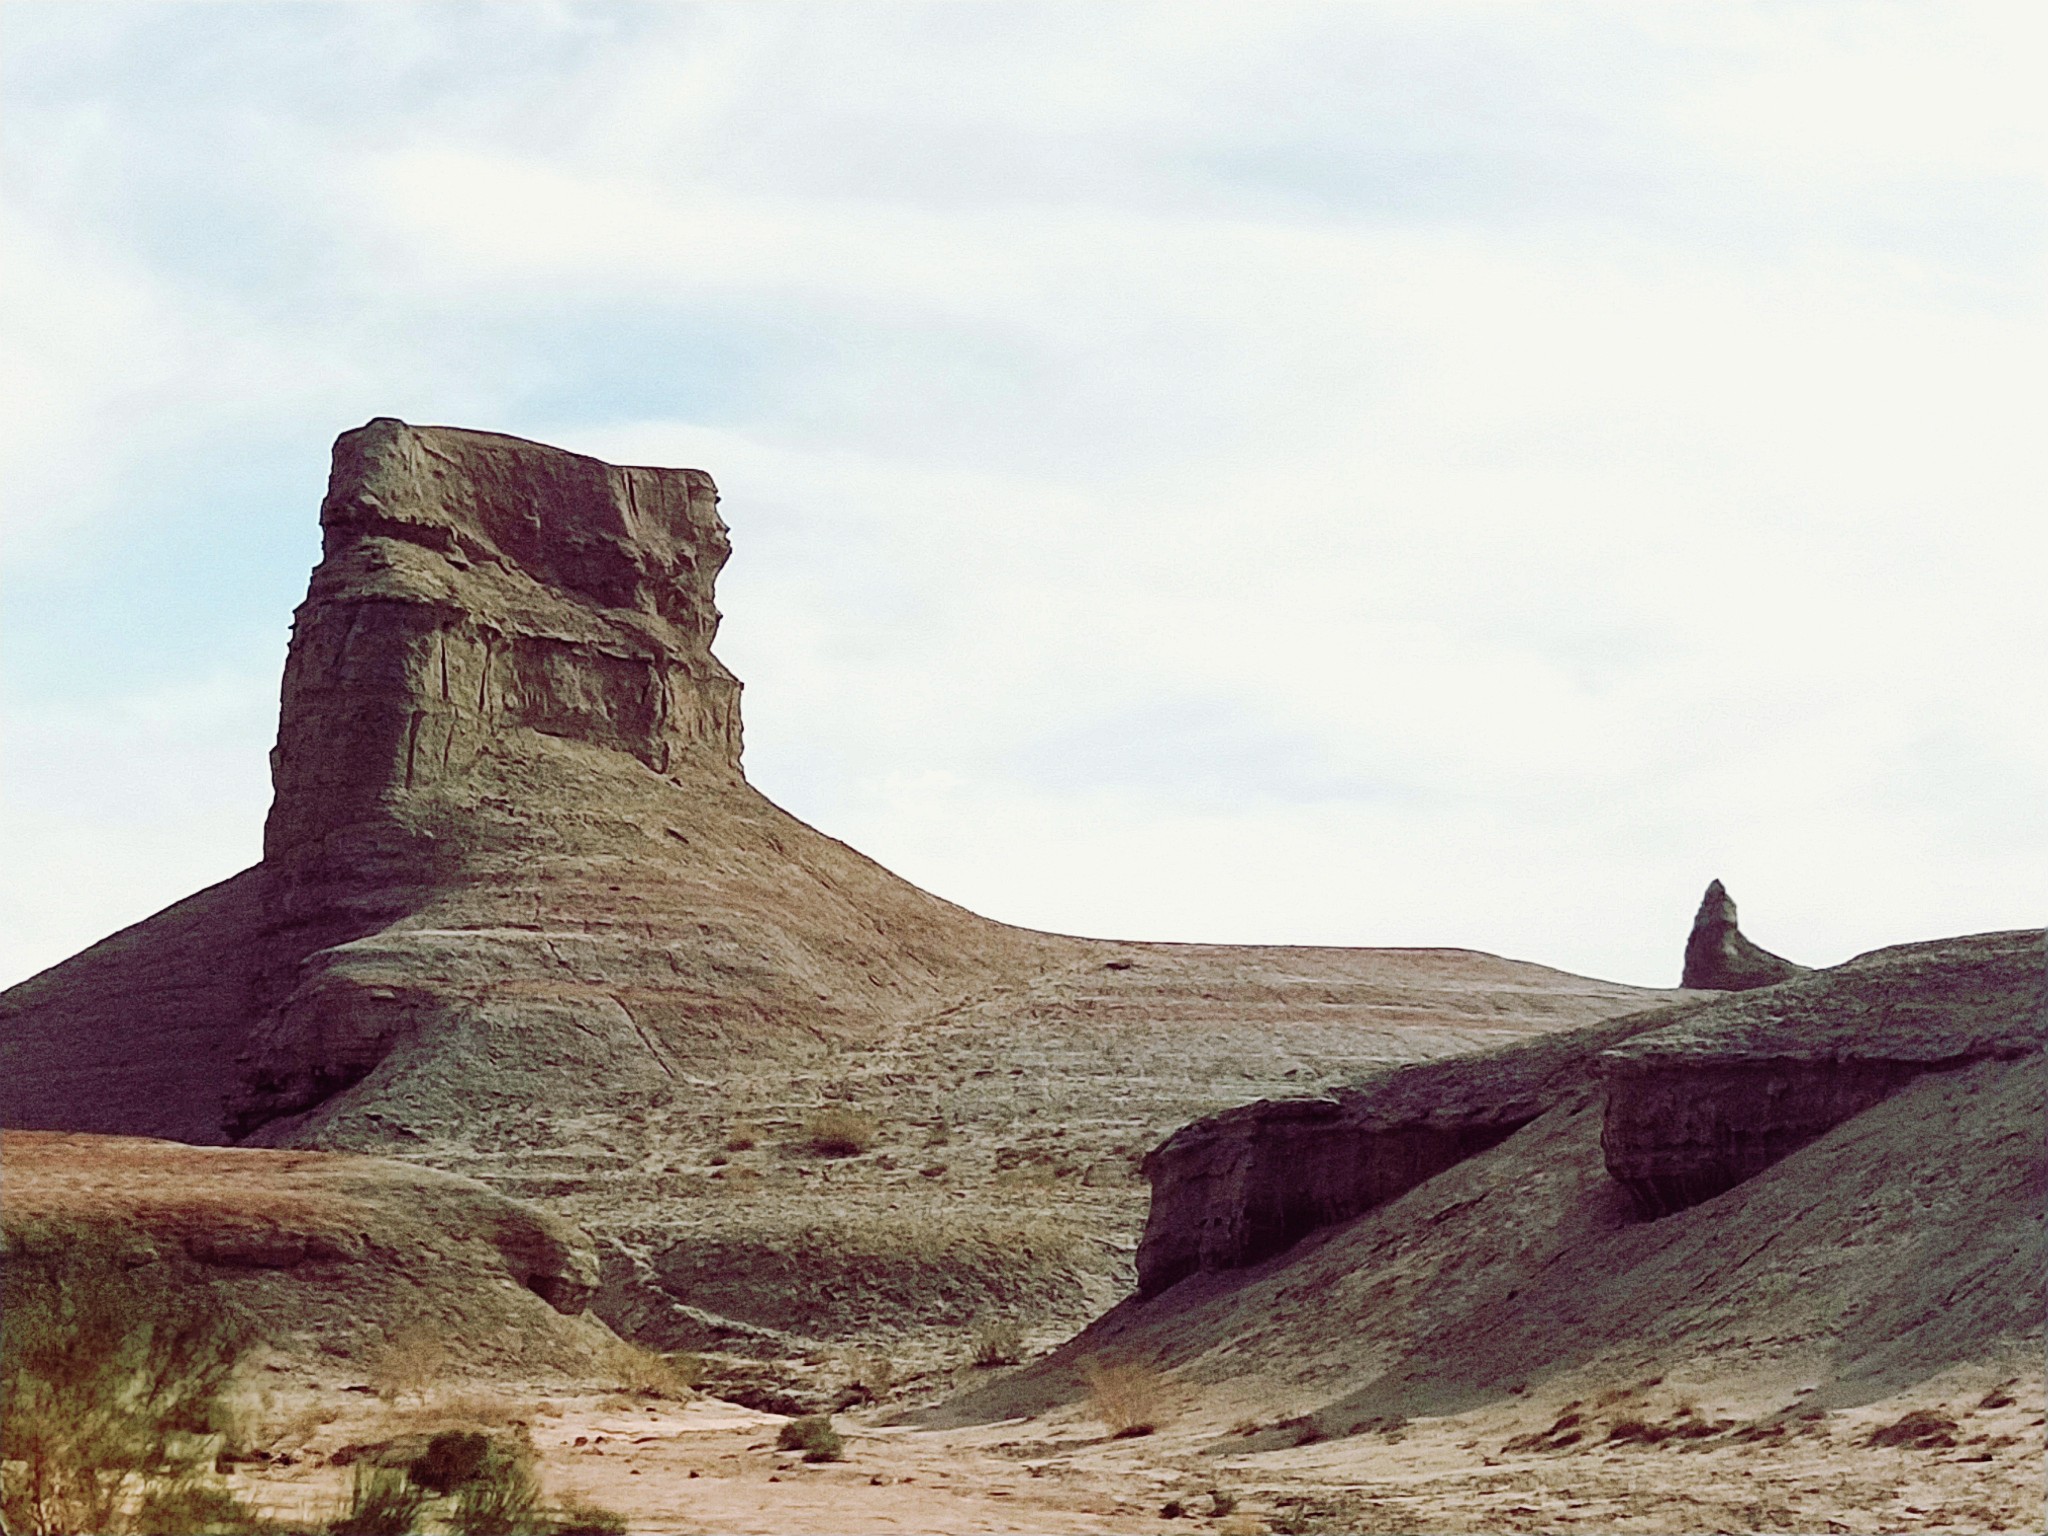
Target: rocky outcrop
472,588
512,876
324,1252
519,914
1719,958
1698,1106
1241,1186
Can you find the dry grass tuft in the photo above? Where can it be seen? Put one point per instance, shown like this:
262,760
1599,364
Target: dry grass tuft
998,1341
743,1137
412,1363
641,1372
1128,1399
1921,1430
840,1132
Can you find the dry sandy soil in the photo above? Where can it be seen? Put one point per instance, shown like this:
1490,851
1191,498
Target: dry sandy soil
707,1466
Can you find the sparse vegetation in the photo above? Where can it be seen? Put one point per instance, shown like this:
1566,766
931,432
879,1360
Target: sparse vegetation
641,1372
998,1341
114,1398
1128,1399
502,1498
814,1436
383,1501
743,1137
1921,1430
412,1362
840,1132
590,1520
869,1376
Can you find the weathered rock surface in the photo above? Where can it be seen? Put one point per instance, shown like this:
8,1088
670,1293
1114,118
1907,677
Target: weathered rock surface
520,915
324,1251
1238,1187
1720,958
1711,1099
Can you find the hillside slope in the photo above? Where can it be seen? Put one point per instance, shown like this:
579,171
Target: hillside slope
521,916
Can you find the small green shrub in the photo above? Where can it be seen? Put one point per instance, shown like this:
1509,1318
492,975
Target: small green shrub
814,1436
114,1391
452,1458
503,1499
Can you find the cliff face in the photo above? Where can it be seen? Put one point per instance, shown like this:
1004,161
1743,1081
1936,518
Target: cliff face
1701,1105
475,587
1698,1097
520,914
1238,1187
511,870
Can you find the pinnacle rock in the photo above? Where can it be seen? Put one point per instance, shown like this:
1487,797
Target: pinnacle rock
1718,957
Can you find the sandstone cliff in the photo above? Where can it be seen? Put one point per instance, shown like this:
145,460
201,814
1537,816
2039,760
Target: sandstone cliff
521,916
1697,1097
1711,1099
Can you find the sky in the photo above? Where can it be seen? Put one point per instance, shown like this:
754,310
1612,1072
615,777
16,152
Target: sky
1406,473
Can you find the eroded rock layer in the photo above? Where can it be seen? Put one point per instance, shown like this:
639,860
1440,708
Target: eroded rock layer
323,1253
521,916
1238,1187
1698,1106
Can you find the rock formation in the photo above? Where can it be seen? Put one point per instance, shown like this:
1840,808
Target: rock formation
1699,1096
1240,1186
325,1253
520,915
511,861
1703,1103
1719,958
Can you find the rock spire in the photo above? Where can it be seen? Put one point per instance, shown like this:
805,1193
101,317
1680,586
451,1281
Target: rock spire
1719,958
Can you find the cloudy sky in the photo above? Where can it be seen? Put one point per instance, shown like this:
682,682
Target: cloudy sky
1402,473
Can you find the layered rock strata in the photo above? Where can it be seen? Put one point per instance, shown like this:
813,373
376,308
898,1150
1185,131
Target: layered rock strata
1719,957
1699,1096
520,915
1700,1105
323,1252
1241,1186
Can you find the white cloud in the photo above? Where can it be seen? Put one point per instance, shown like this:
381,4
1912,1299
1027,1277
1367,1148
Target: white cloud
1402,473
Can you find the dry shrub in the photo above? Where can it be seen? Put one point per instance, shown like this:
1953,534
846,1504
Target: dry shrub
114,1397
840,1132
1128,1399
814,1436
869,1376
641,1372
1921,1430
411,1363
743,1137
1241,1525
998,1341
383,1501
